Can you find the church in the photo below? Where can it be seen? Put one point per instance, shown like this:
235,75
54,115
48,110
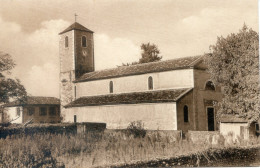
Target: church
166,95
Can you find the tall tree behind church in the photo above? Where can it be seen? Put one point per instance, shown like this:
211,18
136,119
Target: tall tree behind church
234,65
150,53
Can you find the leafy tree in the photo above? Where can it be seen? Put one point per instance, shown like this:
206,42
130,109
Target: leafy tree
150,53
9,88
234,65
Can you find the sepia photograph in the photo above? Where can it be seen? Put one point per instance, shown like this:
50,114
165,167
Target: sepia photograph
129,83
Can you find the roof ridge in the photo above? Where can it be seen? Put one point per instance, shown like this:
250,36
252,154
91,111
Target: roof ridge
76,26
137,65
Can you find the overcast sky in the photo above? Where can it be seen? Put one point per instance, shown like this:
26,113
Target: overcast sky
29,31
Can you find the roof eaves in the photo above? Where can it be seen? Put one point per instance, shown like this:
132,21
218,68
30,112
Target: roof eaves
109,104
184,93
65,31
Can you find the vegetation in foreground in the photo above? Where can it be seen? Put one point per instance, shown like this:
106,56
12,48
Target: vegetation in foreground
96,149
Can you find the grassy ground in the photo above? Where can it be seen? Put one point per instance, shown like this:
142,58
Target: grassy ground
91,150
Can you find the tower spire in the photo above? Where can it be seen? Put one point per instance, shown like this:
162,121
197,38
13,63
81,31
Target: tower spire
75,17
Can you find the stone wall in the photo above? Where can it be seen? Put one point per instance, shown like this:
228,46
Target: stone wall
203,136
138,83
155,116
188,101
203,99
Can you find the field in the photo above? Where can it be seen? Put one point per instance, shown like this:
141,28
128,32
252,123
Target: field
97,149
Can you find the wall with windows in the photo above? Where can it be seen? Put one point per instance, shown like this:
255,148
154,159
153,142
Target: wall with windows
49,114
185,112
204,97
42,114
155,116
139,83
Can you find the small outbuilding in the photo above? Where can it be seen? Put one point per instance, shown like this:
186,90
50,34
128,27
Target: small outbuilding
34,109
237,126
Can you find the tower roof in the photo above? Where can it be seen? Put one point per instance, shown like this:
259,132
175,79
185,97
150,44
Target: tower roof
76,26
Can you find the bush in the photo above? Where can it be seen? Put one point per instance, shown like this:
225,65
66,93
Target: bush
136,128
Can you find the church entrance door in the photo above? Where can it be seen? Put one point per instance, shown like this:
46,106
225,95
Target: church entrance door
211,119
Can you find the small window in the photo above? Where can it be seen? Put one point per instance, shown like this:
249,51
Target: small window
210,86
52,111
111,89
257,127
186,113
66,41
31,111
18,113
150,83
75,118
84,41
75,91
43,111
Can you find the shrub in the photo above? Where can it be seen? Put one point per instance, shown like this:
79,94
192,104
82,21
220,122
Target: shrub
136,128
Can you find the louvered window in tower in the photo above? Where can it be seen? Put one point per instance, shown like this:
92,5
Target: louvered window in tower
84,41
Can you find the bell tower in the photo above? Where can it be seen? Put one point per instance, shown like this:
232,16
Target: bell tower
76,51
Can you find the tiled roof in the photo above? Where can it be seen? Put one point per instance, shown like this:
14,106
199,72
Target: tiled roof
131,98
180,63
35,100
232,119
76,26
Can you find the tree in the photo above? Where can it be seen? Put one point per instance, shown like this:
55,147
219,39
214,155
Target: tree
9,88
234,65
150,53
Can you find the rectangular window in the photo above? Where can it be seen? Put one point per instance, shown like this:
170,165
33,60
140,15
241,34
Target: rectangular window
18,113
75,118
43,111
31,111
52,111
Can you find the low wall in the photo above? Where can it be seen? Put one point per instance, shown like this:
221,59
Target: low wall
38,128
173,134
204,136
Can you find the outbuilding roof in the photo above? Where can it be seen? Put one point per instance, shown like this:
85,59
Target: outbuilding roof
232,119
35,100
76,26
179,63
131,98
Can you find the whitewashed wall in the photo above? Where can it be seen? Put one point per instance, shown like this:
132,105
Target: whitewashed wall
138,83
155,116
12,114
226,128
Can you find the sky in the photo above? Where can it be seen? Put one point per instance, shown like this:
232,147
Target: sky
29,31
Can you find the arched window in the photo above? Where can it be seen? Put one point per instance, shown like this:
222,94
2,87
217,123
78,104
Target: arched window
150,83
111,87
84,41
186,113
210,86
66,41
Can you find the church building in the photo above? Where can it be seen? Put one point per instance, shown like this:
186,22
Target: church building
166,95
